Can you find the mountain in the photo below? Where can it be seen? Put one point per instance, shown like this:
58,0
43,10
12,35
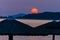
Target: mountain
19,15
44,15
3,16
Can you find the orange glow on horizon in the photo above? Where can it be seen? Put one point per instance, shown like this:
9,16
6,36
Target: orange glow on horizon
34,10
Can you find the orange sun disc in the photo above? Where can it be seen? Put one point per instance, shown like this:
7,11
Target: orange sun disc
34,10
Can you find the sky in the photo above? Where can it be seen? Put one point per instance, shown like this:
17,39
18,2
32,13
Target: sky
12,7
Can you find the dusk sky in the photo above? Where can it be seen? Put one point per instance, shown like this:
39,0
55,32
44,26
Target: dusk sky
12,7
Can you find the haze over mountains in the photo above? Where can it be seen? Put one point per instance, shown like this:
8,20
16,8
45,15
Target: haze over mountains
19,15
44,15
16,15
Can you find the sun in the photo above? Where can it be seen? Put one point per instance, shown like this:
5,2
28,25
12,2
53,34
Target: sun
34,10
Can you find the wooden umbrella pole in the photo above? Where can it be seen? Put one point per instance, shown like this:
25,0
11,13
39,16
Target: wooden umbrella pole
10,37
53,38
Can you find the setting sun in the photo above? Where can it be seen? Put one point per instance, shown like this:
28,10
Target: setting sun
34,10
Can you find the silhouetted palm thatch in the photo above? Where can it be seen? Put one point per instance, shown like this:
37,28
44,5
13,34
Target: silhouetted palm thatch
50,28
14,27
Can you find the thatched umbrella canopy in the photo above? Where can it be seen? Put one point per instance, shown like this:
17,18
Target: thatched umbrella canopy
51,28
14,27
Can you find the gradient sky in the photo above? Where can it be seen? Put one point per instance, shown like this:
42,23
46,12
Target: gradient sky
11,7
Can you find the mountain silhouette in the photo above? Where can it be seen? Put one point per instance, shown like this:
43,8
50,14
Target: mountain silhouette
19,15
14,27
44,15
3,16
50,28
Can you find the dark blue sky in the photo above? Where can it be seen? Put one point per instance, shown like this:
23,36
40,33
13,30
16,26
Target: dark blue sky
11,7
